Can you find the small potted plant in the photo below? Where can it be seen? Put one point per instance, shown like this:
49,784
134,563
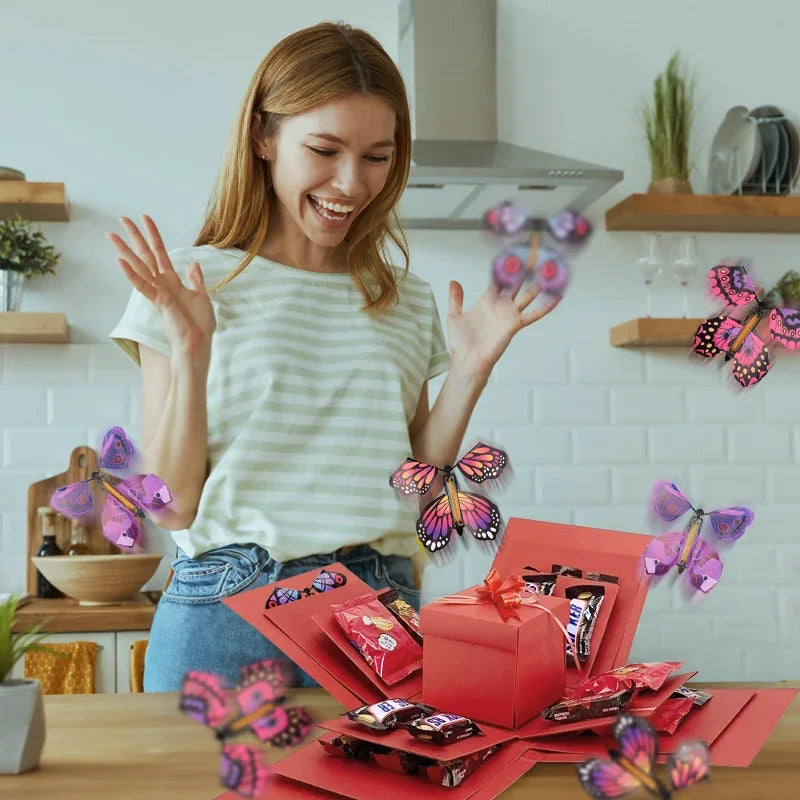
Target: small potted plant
667,125
23,252
21,708
786,292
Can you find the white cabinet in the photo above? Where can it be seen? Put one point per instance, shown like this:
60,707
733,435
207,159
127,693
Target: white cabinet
124,641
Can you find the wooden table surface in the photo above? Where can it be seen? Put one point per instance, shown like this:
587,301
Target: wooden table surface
140,747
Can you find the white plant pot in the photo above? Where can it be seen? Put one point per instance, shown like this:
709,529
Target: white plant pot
22,730
11,285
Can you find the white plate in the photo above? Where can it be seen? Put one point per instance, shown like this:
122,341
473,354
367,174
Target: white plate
736,148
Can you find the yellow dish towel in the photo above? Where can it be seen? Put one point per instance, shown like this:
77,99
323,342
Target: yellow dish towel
138,649
72,675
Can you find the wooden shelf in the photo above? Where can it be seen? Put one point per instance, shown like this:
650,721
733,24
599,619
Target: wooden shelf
63,614
33,327
709,213
654,332
41,202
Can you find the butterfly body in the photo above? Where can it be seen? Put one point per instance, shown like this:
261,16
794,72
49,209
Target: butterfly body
645,778
692,533
453,510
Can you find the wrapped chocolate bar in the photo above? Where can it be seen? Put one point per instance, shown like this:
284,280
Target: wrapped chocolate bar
579,709
354,749
640,676
541,582
443,728
388,714
455,771
383,642
698,697
584,606
406,615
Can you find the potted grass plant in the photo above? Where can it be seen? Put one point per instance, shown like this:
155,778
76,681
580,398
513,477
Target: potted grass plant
21,709
23,252
786,292
667,126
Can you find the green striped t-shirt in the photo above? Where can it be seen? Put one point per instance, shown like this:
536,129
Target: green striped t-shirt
309,403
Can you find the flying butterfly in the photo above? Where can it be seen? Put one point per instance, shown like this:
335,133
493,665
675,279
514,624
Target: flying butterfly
257,708
550,270
126,498
631,764
737,338
686,549
569,226
324,582
454,509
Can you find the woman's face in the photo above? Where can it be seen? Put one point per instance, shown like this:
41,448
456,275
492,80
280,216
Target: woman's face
329,164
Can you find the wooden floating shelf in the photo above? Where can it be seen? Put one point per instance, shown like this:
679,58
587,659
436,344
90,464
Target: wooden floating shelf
41,202
706,213
33,327
654,332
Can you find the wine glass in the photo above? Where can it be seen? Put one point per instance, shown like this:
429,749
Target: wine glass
684,265
651,264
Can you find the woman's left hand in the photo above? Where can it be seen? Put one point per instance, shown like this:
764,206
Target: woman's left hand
479,336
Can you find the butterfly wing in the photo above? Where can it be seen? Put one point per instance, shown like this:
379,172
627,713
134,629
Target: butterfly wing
279,672
669,501
505,218
784,324
203,698
242,770
602,778
435,524
482,463
731,523
709,341
732,284
413,477
480,515
145,491
119,525
752,361
662,553
74,500
283,727
552,271
689,764
510,268
637,740
327,580
281,595
705,567
117,451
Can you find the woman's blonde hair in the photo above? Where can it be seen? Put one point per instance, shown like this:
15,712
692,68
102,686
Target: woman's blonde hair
290,81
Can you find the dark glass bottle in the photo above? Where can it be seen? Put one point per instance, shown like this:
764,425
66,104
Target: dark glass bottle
48,548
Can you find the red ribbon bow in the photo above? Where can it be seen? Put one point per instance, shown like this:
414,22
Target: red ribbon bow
504,594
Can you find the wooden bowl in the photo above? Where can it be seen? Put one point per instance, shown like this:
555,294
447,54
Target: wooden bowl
98,580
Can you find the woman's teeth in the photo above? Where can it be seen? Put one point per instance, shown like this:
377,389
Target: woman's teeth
328,210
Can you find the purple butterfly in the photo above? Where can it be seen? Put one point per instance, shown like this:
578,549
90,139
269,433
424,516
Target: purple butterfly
324,582
737,338
551,271
568,226
631,765
505,218
125,498
686,549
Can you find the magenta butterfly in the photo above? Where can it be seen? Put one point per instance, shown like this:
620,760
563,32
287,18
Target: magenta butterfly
454,509
324,582
551,271
126,498
731,283
568,226
258,708
631,765
686,548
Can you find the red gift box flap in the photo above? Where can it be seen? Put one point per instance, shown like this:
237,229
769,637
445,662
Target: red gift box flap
407,688
288,627
402,740
542,544
362,780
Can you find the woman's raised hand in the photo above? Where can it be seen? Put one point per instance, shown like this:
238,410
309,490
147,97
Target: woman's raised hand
186,311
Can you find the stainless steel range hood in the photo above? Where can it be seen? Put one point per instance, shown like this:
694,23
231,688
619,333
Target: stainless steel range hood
447,55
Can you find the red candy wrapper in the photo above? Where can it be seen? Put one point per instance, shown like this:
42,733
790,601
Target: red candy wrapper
383,642
670,714
641,676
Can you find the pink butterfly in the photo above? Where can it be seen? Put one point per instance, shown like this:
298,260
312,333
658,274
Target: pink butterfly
737,338
454,509
505,218
125,498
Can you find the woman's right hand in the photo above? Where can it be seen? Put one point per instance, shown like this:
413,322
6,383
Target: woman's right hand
185,311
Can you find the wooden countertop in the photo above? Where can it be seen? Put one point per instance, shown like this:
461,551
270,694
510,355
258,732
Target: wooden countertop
140,747
65,615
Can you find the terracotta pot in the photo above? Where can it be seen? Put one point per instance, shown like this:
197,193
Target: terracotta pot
22,732
670,186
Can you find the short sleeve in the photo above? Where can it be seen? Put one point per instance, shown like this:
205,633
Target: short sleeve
141,323
440,356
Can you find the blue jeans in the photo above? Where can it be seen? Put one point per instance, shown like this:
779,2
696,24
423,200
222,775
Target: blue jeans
193,629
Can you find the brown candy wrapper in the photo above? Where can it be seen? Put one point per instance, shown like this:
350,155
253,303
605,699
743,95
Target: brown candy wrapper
406,614
443,728
583,708
387,715
584,606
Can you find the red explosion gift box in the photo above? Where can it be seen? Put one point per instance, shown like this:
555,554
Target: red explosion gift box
494,666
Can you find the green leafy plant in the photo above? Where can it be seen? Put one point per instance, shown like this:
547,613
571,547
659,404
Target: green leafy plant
25,250
668,122
13,646
786,292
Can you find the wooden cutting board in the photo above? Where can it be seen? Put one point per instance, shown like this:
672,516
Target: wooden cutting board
82,463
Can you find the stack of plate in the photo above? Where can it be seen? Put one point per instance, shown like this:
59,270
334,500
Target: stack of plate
755,152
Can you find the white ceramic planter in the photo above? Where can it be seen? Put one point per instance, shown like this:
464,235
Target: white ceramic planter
11,285
21,726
